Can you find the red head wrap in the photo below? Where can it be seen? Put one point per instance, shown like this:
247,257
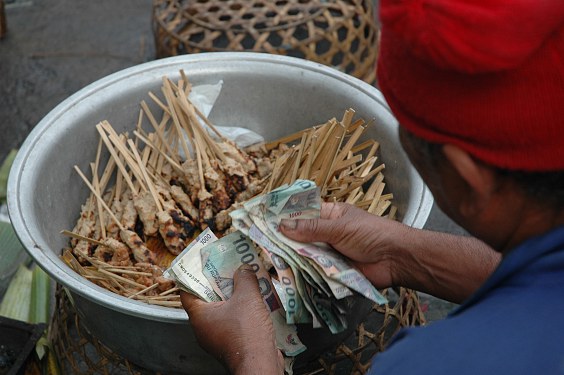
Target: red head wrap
485,75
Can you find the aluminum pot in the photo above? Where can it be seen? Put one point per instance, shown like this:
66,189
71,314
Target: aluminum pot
272,95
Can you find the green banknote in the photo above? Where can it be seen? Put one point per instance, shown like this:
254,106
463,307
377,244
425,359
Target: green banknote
223,257
302,200
186,268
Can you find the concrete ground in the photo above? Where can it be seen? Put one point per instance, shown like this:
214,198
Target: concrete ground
53,48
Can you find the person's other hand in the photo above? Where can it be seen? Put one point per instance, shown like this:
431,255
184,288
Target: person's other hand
368,240
238,332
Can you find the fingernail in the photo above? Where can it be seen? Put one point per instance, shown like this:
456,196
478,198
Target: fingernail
289,224
245,268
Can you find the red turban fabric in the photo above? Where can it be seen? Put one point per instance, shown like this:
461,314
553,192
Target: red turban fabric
485,75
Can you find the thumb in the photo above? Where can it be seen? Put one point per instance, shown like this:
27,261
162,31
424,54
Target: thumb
190,301
245,281
308,230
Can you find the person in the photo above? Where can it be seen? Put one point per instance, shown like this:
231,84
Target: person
478,89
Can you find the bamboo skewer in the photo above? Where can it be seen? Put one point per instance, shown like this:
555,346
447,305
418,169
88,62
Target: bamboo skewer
364,145
157,102
173,290
118,223
158,150
167,90
392,214
145,176
288,139
128,272
298,161
80,237
122,279
158,130
165,303
120,144
142,291
96,185
116,158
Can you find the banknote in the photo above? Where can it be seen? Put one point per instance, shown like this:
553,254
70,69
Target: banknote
299,315
301,283
312,281
302,200
186,268
337,267
203,238
322,277
323,307
240,220
288,292
286,334
337,289
223,258
282,249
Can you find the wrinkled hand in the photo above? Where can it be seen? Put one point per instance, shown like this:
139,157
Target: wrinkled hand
368,240
238,332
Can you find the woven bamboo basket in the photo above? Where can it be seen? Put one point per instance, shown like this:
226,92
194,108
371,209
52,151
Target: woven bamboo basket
3,27
81,353
341,34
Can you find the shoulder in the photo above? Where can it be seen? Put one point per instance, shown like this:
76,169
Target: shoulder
512,325
511,333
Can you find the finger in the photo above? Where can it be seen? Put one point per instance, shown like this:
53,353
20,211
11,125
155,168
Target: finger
315,229
307,230
331,210
245,280
190,301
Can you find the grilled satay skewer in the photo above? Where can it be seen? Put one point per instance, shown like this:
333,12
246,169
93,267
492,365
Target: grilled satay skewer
233,162
230,150
191,179
174,227
217,198
142,201
186,225
226,157
184,201
129,213
138,165
96,184
204,197
215,182
85,225
140,252
178,228
109,250
112,230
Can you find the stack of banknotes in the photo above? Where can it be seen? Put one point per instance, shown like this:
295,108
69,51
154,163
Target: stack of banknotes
300,283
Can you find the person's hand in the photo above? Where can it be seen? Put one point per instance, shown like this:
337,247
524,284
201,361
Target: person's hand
368,240
238,332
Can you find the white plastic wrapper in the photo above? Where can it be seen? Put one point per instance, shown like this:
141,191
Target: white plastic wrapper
203,97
